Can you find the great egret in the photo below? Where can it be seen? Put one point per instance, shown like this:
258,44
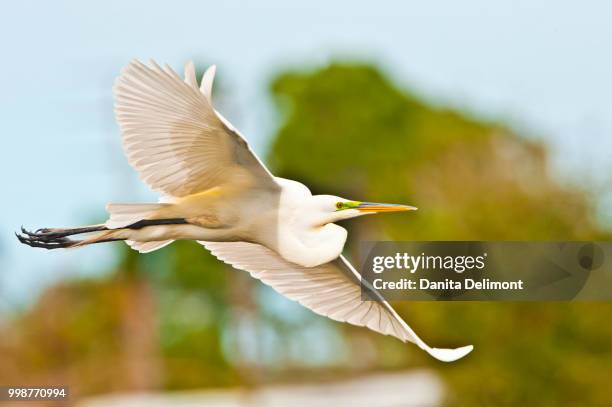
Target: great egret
215,190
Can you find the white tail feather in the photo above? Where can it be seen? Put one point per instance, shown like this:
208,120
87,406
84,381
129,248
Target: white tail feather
147,247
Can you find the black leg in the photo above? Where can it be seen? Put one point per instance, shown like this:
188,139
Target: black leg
50,234
47,238
55,243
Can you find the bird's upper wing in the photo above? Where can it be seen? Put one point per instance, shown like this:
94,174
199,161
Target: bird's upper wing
332,290
175,139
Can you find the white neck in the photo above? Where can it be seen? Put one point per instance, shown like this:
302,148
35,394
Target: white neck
303,232
313,247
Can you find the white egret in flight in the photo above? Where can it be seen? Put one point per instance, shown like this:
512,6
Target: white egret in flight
216,191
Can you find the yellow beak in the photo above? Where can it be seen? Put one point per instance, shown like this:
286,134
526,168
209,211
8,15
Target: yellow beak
383,207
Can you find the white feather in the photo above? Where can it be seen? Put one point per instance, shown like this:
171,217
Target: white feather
190,75
147,247
207,82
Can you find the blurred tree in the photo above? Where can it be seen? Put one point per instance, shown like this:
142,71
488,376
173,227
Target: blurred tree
156,322
472,180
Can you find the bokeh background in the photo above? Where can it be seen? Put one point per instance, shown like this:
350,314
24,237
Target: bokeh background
495,119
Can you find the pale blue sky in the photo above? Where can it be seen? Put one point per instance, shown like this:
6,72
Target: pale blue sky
542,65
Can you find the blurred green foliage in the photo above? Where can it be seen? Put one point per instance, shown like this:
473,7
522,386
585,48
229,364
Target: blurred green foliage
178,318
349,131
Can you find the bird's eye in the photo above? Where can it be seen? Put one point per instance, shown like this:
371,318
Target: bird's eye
339,205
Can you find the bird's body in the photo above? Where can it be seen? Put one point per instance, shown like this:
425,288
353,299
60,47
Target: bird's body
272,217
216,191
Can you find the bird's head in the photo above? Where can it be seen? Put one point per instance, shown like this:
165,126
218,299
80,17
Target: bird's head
329,208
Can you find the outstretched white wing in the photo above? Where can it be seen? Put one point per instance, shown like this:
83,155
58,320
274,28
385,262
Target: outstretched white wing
332,290
174,138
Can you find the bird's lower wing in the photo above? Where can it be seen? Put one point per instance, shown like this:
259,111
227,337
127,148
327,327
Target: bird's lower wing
332,290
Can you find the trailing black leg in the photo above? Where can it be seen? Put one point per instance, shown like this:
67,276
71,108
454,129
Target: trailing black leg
47,238
50,233
58,238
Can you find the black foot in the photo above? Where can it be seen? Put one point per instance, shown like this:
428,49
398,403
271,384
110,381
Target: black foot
45,239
